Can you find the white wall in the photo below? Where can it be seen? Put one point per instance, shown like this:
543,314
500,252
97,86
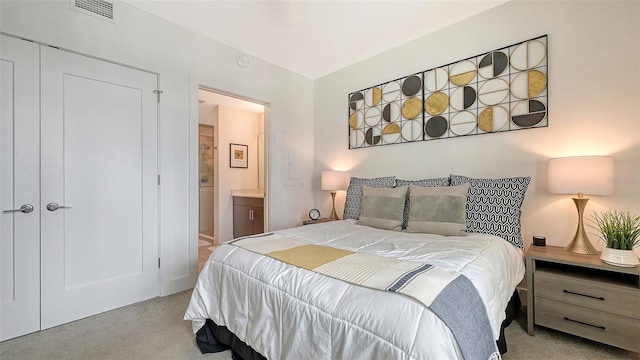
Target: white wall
594,108
207,114
182,59
237,127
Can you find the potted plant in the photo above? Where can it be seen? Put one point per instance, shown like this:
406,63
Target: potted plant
621,232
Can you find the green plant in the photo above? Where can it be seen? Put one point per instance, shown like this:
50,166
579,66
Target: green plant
620,230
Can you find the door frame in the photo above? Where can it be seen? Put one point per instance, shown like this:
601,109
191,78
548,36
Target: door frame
199,82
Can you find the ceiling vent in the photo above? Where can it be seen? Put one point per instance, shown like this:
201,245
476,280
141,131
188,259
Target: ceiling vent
99,8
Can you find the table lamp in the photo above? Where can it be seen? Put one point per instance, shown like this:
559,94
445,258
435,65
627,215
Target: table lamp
581,175
333,181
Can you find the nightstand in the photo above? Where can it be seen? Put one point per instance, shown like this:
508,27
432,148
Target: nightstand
309,222
581,295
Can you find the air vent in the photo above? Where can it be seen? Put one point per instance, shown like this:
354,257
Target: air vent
98,8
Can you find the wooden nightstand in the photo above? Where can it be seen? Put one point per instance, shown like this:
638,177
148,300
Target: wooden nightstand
581,295
321,220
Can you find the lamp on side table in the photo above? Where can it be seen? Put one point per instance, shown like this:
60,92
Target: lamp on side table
581,175
333,181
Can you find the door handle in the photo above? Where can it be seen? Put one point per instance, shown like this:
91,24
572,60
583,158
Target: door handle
26,208
54,206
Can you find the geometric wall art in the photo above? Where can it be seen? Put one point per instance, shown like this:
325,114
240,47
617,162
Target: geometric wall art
501,90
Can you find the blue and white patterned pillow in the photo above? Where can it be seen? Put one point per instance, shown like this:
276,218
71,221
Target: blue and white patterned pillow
493,206
353,201
424,183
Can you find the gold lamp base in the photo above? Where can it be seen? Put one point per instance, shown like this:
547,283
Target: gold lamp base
333,215
580,243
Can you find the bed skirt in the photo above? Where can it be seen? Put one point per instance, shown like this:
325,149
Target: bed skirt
213,338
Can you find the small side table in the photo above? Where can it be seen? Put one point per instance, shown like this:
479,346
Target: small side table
309,222
581,295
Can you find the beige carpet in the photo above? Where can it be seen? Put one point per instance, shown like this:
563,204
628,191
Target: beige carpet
154,329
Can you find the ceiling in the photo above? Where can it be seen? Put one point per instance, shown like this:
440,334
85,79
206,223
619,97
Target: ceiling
313,38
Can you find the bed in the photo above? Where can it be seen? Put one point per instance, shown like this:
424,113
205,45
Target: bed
391,281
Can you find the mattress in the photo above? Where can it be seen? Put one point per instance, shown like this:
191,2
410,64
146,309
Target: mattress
286,312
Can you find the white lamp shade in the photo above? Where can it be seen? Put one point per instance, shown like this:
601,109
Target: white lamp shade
333,180
581,174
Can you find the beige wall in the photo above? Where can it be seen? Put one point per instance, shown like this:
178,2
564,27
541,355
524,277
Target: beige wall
238,127
235,126
594,108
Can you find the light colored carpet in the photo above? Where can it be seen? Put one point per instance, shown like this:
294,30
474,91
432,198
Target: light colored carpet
154,329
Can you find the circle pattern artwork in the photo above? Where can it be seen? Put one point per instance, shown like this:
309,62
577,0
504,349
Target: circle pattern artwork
463,97
436,103
391,112
412,130
436,79
356,120
436,127
528,113
528,84
372,136
493,64
493,118
411,108
463,123
372,116
462,73
391,133
528,55
356,139
391,91
497,91
411,85
493,92
372,96
356,101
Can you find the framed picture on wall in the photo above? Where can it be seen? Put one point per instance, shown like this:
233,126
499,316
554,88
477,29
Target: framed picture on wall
238,156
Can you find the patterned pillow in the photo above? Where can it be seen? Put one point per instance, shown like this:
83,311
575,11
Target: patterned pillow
493,206
438,210
382,207
424,182
353,202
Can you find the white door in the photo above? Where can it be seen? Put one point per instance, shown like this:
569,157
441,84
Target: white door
78,187
19,187
99,166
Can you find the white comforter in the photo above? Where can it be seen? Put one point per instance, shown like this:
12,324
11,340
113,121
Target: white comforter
285,312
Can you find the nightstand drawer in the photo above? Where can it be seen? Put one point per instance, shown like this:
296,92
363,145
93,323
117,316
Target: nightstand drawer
615,330
596,295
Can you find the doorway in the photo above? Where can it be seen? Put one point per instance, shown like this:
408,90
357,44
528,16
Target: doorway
225,119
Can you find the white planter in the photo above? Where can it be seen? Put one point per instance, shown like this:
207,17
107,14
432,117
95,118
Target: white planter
617,257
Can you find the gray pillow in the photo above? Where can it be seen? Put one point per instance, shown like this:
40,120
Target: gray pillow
353,202
424,182
382,207
438,210
493,206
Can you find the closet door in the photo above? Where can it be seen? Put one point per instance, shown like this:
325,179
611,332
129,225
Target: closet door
99,186
19,188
